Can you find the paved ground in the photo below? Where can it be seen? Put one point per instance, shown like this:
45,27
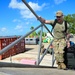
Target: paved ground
31,53
34,71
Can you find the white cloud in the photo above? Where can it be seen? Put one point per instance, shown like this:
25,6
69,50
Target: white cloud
3,29
19,27
16,20
35,6
59,1
24,11
15,4
26,14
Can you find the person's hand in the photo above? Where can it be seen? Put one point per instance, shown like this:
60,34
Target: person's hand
68,36
68,43
41,19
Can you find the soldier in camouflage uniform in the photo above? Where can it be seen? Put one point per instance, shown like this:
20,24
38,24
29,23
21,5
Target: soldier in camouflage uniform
59,38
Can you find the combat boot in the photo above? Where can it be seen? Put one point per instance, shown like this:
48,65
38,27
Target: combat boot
42,49
63,66
59,66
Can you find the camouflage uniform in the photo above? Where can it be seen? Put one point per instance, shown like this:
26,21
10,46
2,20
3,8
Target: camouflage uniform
58,46
59,43
59,37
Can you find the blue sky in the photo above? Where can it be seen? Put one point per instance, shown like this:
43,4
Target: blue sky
17,19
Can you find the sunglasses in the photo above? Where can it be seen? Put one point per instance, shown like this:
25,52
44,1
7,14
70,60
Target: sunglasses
58,16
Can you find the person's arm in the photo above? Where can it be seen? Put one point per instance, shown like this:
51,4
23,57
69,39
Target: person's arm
68,36
45,21
67,32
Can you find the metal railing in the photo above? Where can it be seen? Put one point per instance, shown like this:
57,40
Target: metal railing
40,43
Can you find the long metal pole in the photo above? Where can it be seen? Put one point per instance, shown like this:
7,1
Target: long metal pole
24,1
40,44
44,53
17,41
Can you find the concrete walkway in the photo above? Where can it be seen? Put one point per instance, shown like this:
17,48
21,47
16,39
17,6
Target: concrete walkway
31,53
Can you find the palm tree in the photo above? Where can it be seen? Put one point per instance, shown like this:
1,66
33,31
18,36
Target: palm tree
32,28
34,33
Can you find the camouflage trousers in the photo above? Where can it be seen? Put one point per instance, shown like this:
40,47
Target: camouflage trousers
58,45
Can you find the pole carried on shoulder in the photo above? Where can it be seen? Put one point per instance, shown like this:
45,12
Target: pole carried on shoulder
24,1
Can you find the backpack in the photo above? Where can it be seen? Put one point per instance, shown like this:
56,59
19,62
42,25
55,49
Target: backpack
55,21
